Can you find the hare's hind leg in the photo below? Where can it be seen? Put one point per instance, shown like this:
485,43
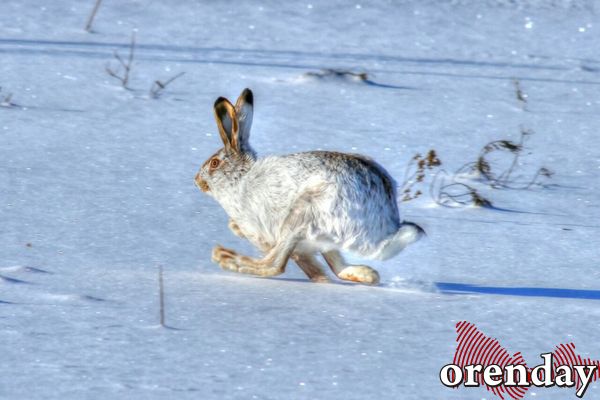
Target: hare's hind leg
311,267
355,273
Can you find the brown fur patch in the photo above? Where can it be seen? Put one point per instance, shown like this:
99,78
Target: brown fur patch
201,183
225,256
204,186
311,267
227,122
352,278
228,252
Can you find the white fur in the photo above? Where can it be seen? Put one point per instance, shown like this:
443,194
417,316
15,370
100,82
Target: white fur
340,201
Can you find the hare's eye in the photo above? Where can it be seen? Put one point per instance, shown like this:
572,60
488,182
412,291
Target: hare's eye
214,163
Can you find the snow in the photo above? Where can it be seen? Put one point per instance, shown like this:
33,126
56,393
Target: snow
99,181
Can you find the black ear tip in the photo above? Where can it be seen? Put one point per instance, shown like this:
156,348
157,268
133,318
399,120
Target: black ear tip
219,101
248,96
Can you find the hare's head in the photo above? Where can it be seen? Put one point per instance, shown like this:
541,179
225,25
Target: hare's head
228,165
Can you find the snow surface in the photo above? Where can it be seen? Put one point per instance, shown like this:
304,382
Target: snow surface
99,181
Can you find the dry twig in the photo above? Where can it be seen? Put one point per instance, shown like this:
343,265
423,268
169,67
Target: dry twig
6,101
521,97
88,26
158,86
161,295
458,189
415,173
123,76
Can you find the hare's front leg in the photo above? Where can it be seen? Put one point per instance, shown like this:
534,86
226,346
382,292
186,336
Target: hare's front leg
275,259
355,273
272,264
234,227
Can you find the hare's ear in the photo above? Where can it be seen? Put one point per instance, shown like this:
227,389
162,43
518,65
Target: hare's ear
227,123
244,107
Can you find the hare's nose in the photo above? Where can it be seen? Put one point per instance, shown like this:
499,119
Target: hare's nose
201,183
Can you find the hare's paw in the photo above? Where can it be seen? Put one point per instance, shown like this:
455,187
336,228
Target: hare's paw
235,229
225,258
231,261
360,273
320,279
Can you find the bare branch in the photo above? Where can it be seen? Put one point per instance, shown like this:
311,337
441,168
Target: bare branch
131,49
173,78
123,78
111,72
458,189
161,295
119,59
158,86
88,26
521,97
415,173
6,101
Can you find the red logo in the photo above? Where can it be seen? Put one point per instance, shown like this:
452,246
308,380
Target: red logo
482,361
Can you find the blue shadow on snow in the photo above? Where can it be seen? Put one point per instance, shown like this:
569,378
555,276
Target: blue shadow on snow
465,288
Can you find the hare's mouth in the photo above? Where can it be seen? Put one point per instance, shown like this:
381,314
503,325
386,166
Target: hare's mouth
201,183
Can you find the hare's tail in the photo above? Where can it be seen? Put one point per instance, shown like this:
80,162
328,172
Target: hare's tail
393,244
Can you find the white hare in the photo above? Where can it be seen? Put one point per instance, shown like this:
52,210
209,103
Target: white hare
297,205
